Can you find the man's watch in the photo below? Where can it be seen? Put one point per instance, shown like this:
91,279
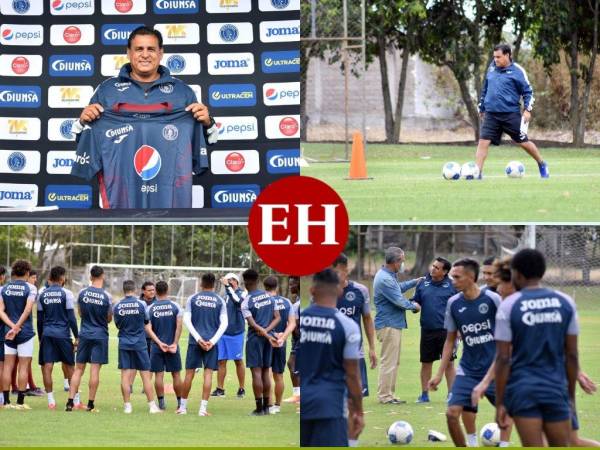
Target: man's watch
212,121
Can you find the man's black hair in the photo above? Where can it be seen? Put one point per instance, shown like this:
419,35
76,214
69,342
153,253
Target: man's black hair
146,284
446,265
96,271
20,268
145,31
488,261
56,273
469,264
208,280
162,287
530,263
504,48
326,277
341,260
250,276
270,283
128,286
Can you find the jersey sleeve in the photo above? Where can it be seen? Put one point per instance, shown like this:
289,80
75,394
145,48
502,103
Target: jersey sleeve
246,309
503,330
449,322
199,152
33,292
367,300
352,334
146,312
88,159
573,328
70,299
188,304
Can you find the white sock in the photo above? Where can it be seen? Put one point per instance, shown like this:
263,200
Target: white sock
203,405
504,444
1,398
51,398
152,404
352,442
127,405
76,399
66,383
472,440
296,390
183,404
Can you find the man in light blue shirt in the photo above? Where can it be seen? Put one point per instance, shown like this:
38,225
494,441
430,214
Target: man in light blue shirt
390,319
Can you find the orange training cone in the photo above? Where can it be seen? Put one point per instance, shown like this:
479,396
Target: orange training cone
358,164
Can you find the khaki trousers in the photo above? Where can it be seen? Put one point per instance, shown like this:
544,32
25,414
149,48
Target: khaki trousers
390,339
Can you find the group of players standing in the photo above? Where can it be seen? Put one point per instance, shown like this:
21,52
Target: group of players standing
150,327
519,350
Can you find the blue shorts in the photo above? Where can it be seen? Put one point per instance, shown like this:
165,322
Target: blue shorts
541,400
462,389
134,359
324,433
278,359
495,123
231,348
165,361
363,377
574,421
94,351
54,349
197,358
258,352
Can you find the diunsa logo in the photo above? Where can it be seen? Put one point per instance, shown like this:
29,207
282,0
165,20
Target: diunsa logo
117,135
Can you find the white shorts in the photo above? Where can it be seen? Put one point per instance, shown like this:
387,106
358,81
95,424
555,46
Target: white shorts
24,350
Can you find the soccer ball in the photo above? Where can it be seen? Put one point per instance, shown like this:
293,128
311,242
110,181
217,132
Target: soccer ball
400,432
490,435
515,169
469,171
451,171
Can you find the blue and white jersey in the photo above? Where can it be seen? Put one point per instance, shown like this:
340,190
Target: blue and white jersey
235,319
503,88
163,318
207,309
536,322
15,295
354,302
260,306
475,320
327,338
55,304
433,297
94,307
284,306
130,315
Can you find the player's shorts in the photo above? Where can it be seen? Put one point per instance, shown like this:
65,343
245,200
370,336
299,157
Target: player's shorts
149,345
22,349
363,377
231,348
541,400
496,123
432,345
574,421
278,359
197,358
258,352
94,351
1,350
462,388
165,361
53,349
134,359
324,433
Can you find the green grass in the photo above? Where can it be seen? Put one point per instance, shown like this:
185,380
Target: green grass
407,185
228,426
424,417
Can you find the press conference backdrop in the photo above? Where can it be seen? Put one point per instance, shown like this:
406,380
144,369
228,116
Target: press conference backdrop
241,57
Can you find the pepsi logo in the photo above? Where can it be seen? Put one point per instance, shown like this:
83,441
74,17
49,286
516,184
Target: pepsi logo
220,127
57,5
147,162
235,161
7,34
123,6
20,65
288,126
271,94
72,34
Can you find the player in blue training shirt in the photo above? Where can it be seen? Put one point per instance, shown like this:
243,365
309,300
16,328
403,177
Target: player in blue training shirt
355,303
166,319
259,311
55,323
95,309
282,330
472,313
17,298
294,288
205,318
327,361
131,318
144,157
231,345
537,361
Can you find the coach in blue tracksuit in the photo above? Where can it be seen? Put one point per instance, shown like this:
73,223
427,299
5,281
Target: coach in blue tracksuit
433,294
390,319
504,86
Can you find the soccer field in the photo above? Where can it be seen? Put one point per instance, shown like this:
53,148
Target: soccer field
407,184
431,416
229,426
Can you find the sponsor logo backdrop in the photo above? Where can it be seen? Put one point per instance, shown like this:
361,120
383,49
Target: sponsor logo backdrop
241,57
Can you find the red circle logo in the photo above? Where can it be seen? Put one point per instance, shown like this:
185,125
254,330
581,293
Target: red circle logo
288,126
123,6
298,225
20,65
235,162
72,34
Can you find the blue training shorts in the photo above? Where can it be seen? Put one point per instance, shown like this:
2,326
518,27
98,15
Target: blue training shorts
541,400
231,347
93,351
462,389
324,433
134,359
